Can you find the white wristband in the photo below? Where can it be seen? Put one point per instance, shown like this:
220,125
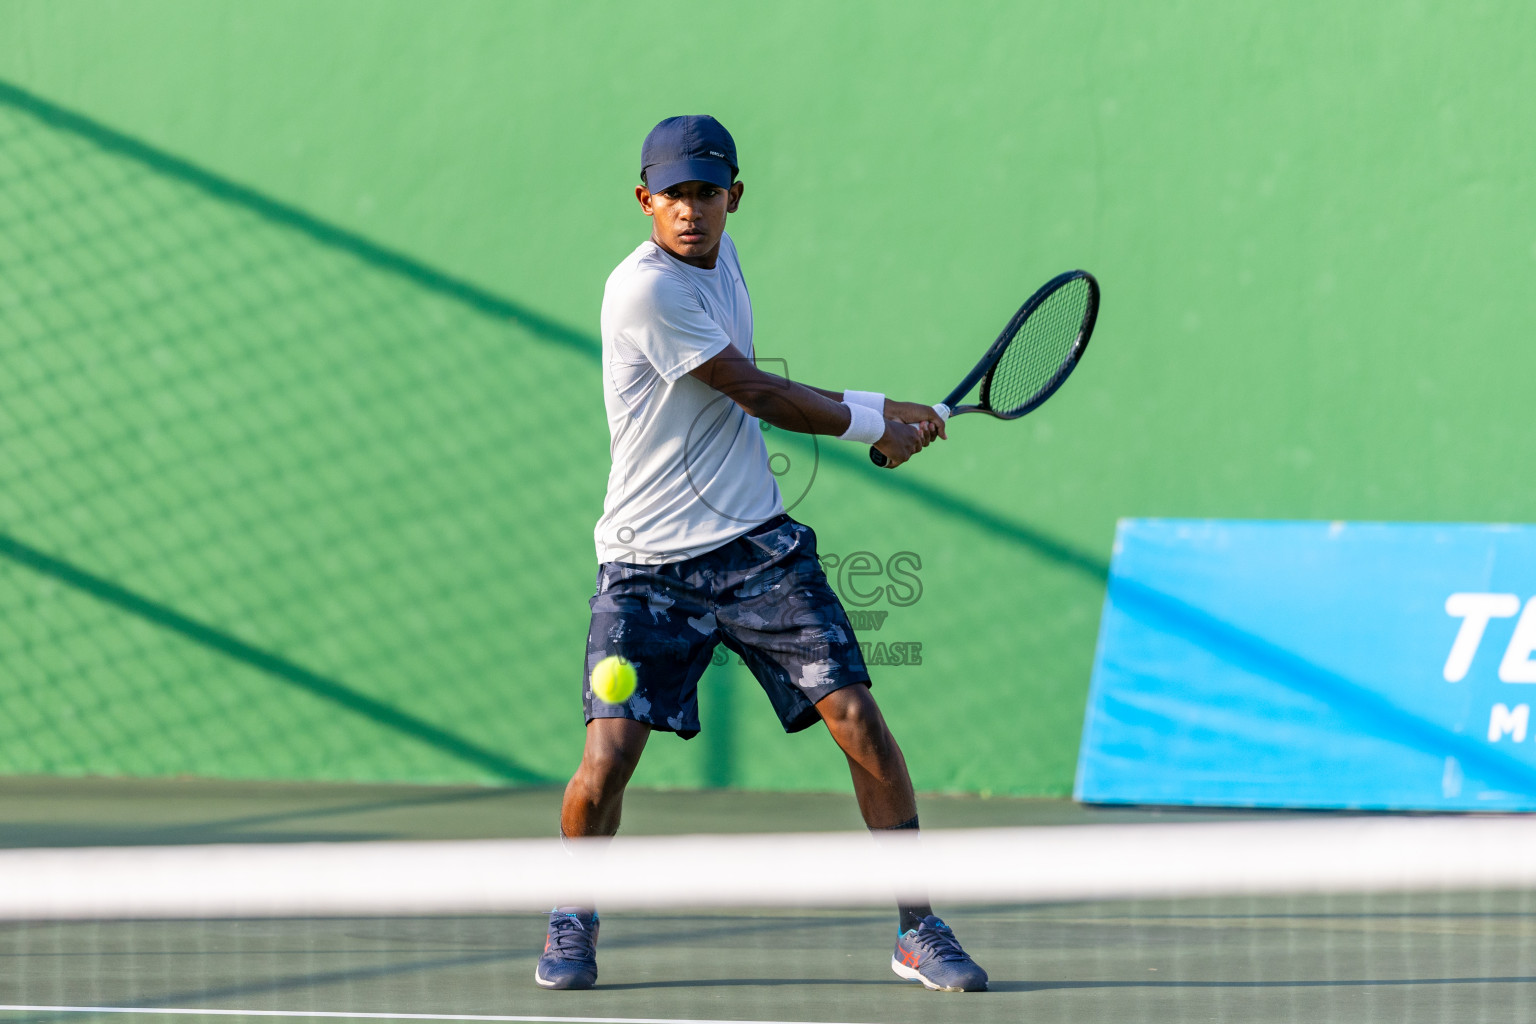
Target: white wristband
864,424
869,399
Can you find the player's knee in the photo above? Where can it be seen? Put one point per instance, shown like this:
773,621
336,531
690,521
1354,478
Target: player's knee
864,723
609,766
853,716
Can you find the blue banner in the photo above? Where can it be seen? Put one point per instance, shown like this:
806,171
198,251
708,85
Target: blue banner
1336,665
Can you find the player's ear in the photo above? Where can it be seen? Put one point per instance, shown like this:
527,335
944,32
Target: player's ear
643,194
734,197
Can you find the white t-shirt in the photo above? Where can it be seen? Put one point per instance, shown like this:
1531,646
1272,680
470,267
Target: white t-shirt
690,468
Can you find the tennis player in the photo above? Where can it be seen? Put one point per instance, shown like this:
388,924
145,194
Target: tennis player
695,547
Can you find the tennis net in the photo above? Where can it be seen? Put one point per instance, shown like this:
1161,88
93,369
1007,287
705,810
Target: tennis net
1330,918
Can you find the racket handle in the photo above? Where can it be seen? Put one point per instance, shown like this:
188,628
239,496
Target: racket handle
878,457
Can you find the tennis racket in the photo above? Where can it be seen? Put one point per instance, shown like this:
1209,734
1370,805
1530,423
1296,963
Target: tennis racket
1033,356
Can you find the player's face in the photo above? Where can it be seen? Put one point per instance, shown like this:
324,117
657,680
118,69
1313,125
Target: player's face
688,219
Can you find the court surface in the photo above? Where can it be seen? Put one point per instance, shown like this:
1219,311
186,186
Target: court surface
1319,958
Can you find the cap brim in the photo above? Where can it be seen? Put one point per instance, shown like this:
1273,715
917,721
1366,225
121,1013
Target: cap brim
660,177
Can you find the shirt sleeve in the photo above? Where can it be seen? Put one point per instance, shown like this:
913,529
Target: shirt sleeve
665,322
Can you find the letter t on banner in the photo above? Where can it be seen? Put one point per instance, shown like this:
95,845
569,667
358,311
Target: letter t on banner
1474,611
1517,666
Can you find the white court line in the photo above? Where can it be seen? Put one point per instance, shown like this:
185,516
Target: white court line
194,1011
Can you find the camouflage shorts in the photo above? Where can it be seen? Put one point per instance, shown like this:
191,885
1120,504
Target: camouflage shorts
763,595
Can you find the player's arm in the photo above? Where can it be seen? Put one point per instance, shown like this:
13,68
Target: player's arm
923,416
783,403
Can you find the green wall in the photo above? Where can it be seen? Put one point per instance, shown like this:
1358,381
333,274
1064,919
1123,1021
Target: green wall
300,437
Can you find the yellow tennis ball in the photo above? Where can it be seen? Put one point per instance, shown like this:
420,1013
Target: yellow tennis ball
613,680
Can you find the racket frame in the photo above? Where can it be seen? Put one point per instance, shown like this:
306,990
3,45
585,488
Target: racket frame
951,406
994,354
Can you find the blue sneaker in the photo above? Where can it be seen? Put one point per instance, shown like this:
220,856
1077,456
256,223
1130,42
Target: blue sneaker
931,954
570,950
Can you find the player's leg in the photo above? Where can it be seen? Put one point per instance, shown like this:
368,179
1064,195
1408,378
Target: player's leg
880,779
593,804
776,609
649,615
926,948
594,798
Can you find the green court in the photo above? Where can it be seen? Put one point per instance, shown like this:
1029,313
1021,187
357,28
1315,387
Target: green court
1343,958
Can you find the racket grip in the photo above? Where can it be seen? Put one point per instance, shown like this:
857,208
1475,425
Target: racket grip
878,457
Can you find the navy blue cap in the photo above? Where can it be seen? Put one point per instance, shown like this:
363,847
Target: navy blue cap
694,147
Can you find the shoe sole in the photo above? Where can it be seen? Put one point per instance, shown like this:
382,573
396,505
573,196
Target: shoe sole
912,974
544,982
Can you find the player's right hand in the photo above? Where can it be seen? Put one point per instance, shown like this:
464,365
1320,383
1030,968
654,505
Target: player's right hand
924,417
900,442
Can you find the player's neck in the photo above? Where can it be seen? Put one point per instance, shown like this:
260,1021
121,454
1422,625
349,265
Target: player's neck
706,261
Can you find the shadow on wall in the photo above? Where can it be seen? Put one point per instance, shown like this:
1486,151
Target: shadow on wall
245,446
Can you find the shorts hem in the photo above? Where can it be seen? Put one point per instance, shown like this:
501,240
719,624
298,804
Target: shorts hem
620,711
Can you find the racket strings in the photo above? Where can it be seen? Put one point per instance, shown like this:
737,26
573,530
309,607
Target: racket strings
1042,350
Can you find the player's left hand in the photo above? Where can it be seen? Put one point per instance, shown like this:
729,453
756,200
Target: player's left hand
924,417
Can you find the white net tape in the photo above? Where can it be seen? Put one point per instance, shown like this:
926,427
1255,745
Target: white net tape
1352,854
